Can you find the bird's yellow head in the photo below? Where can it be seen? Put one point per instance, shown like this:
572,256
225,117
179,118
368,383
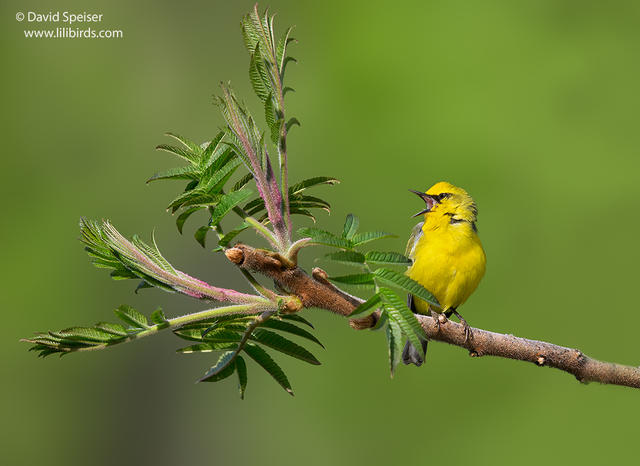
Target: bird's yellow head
448,202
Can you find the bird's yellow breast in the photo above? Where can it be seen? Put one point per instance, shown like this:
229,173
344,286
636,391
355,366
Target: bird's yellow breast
448,260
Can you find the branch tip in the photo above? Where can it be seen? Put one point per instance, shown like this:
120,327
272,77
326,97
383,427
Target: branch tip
235,255
293,305
320,275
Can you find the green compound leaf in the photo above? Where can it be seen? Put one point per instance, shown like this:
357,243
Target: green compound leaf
280,343
382,321
403,281
212,151
395,342
281,49
114,329
309,182
132,317
241,368
297,318
366,308
230,235
350,226
101,335
192,197
158,317
218,173
153,252
223,368
347,257
303,212
242,182
355,279
84,334
219,335
182,218
205,348
189,145
310,202
217,322
180,152
292,329
324,237
286,61
221,155
398,311
271,118
258,75
263,359
299,204
228,202
201,235
291,122
366,237
376,257
276,130
48,344
179,173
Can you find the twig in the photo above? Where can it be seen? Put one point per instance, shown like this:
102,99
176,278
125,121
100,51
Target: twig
312,292
176,322
258,320
317,291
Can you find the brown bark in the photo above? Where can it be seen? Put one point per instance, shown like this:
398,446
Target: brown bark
317,291
573,361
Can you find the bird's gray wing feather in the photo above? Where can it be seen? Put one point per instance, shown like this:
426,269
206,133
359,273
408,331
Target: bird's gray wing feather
414,237
410,354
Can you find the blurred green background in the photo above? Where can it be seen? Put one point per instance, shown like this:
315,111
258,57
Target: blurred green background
531,106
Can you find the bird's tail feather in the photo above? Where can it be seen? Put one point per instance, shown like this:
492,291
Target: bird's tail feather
411,355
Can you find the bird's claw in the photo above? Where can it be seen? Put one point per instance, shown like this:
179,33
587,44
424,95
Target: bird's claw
438,318
468,333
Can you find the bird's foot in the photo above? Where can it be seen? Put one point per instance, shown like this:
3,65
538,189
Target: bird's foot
438,318
468,334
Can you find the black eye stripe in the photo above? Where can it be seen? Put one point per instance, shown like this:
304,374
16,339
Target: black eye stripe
441,196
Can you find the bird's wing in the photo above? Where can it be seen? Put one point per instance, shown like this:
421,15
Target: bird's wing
416,233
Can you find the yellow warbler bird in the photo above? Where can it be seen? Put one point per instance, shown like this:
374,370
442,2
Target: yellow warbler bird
448,259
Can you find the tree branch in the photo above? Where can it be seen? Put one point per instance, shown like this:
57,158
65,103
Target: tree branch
573,361
313,292
317,291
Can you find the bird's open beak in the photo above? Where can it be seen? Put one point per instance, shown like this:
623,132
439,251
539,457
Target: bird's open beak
427,198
